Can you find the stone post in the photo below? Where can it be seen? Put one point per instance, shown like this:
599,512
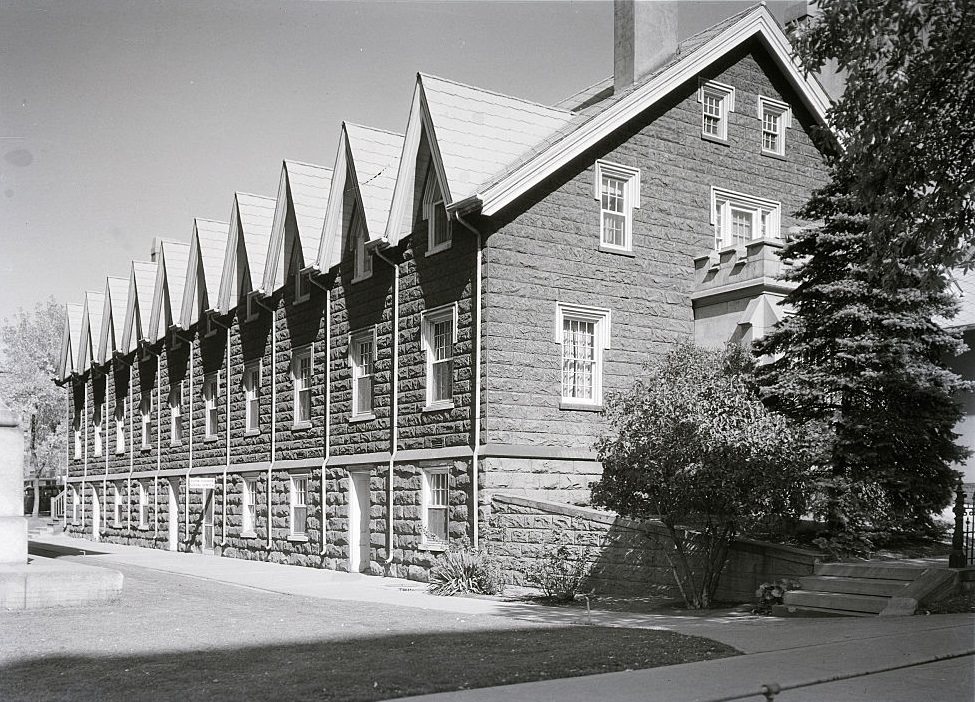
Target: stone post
956,559
13,523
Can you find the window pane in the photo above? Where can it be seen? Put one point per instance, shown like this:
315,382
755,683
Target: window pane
578,359
442,372
363,394
742,225
614,226
440,224
443,333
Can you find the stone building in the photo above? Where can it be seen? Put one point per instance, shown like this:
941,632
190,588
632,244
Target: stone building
344,375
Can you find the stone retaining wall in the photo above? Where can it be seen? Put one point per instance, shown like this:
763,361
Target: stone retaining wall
630,556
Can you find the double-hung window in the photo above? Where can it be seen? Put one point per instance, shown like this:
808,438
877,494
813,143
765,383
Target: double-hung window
583,333
75,501
98,424
435,503
176,413
740,218
362,350
776,117
618,192
249,516
211,416
252,397
301,374
439,329
439,235
116,506
717,102
361,256
300,500
77,434
143,506
120,425
145,415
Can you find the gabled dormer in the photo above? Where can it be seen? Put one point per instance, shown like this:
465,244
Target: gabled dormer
70,335
113,317
91,330
296,233
457,138
248,238
138,308
208,246
361,191
171,259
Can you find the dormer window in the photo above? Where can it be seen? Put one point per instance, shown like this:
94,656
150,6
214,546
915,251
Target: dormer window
740,218
209,328
439,235
717,102
617,188
776,118
253,308
302,286
361,256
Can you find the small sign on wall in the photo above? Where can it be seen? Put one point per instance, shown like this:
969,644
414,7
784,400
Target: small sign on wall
202,483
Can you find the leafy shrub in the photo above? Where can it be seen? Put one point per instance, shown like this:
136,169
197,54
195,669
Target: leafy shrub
844,545
466,570
771,594
560,576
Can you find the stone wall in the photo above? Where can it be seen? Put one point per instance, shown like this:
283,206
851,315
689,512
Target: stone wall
629,556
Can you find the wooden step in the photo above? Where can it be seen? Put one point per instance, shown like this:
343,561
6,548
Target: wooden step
835,601
870,570
878,587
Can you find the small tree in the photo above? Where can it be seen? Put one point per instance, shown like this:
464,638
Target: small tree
693,446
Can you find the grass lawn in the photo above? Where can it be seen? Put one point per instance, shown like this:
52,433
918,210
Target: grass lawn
179,638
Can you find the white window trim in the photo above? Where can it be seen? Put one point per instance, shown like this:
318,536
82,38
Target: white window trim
145,416
116,506
726,98
248,369
369,334
120,428
433,198
75,501
357,232
426,540
738,200
176,416
300,275
298,353
784,112
211,380
293,502
428,318
253,308
249,499
98,428
631,201
209,328
77,441
602,319
143,506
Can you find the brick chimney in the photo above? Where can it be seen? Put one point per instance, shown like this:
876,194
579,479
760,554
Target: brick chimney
644,37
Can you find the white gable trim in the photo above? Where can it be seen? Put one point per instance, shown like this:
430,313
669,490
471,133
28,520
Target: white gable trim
276,244
333,244
227,278
193,264
108,328
758,23
131,312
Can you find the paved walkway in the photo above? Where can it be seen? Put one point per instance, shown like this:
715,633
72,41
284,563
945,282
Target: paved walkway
925,657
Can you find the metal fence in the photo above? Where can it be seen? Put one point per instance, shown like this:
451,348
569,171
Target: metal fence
963,537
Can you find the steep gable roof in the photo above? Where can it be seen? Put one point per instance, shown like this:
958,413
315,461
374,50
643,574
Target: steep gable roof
251,217
303,187
366,164
171,261
138,309
595,123
472,135
91,329
113,315
69,337
208,246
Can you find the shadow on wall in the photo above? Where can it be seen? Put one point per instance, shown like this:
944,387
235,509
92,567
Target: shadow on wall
630,557
373,668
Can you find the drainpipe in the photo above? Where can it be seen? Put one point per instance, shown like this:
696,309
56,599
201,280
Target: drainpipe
67,460
274,413
328,407
103,515
128,482
155,482
84,474
394,412
226,467
476,434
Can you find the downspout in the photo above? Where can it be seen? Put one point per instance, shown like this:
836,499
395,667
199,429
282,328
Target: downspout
155,482
274,413
476,434
84,474
226,467
67,460
186,507
328,408
394,412
128,482
104,500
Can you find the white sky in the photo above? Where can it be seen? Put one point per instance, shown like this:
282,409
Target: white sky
121,121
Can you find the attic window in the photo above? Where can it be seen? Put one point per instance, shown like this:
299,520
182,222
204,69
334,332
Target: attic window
253,308
439,236
617,188
361,257
302,279
717,102
776,118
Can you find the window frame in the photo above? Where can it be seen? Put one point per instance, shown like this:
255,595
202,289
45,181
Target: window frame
428,321
211,404
631,201
116,506
601,319
253,311
783,112
300,494
119,427
98,427
356,340
75,502
433,203
361,256
145,417
428,539
143,506
302,280
722,222
77,437
252,405
300,352
176,415
250,490
725,96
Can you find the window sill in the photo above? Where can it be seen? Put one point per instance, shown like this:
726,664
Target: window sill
298,538
434,547
580,406
297,426
356,418
175,443
438,249
619,252
715,140
145,449
248,535
252,432
210,439
772,154
439,406
120,453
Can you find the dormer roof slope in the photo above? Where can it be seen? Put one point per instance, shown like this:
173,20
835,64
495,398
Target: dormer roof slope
366,164
303,187
138,310
248,239
113,317
69,338
171,262
208,246
91,329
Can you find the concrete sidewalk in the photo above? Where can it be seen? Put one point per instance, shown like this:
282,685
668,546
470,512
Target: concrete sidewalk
783,651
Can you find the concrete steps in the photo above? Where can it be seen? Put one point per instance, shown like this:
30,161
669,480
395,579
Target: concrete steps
865,589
